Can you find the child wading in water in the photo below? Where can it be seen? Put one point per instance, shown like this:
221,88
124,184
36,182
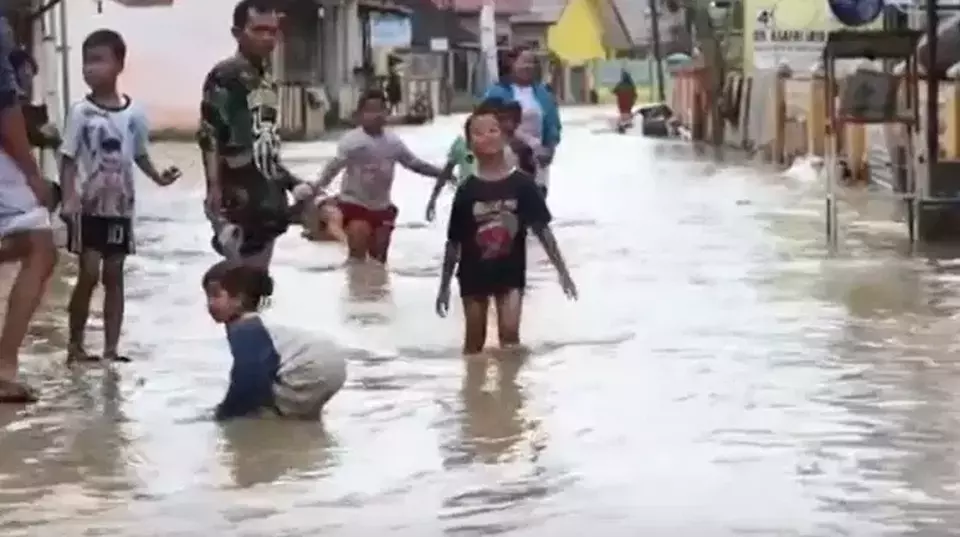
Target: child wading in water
282,371
369,154
106,136
487,236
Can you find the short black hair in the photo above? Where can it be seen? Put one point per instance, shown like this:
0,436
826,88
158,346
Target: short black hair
371,95
109,39
241,12
498,106
251,284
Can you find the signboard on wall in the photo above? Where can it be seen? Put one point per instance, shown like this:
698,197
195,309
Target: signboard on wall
793,32
800,49
388,30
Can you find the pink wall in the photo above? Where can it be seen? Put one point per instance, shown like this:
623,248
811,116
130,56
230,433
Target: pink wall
170,50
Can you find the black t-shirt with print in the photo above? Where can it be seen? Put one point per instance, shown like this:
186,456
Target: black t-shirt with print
489,220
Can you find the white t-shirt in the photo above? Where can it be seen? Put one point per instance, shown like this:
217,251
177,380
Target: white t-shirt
104,142
370,163
531,118
531,126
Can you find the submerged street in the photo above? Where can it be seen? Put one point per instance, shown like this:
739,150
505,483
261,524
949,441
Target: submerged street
720,374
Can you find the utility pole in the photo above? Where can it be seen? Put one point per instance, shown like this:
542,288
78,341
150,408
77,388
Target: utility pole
657,52
450,20
933,87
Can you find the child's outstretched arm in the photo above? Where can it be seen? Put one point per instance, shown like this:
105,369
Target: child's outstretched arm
334,166
408,160
456,233
537,216
141,133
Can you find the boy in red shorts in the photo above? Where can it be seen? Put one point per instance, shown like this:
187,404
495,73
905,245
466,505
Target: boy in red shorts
369,155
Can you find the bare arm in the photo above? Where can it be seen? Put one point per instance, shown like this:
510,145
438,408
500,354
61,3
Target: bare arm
545,236
142,158
211,169
451,256
68,178
408,160
442,179
331,170
146,166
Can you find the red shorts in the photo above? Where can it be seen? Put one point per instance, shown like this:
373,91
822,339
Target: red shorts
384,218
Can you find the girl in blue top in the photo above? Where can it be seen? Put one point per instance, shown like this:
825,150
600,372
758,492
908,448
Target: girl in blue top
540,116
277,370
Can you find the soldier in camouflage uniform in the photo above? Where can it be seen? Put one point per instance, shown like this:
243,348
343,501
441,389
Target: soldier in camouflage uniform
246,183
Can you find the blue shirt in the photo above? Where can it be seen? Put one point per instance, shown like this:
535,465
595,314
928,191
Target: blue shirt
552,127
286,371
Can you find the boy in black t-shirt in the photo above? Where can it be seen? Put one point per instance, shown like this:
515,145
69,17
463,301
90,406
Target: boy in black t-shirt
489,218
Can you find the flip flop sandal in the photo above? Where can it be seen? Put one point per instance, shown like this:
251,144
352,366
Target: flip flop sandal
12,392
117,358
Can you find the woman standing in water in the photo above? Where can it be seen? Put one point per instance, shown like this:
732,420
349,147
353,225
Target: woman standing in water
540,117
487,235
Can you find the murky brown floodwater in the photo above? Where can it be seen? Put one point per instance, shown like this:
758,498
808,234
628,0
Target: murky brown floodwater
719,376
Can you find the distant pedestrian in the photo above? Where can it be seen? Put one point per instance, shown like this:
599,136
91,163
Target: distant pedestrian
626,94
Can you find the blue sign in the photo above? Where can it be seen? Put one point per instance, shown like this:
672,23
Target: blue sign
856,12
390,31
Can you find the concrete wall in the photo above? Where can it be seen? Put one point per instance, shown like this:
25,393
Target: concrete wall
170,51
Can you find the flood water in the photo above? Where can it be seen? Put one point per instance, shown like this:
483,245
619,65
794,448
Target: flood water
720,375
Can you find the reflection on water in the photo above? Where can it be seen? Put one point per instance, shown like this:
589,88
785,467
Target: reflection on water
492,415
721,374
305,452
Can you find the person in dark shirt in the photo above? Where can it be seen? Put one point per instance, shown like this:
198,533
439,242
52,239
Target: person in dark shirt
246,183
486,237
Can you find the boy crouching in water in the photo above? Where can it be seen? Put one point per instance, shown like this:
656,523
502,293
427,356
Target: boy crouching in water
487,232
106,136
286,372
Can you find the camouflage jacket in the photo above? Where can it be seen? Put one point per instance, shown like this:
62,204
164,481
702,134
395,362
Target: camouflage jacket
239,120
